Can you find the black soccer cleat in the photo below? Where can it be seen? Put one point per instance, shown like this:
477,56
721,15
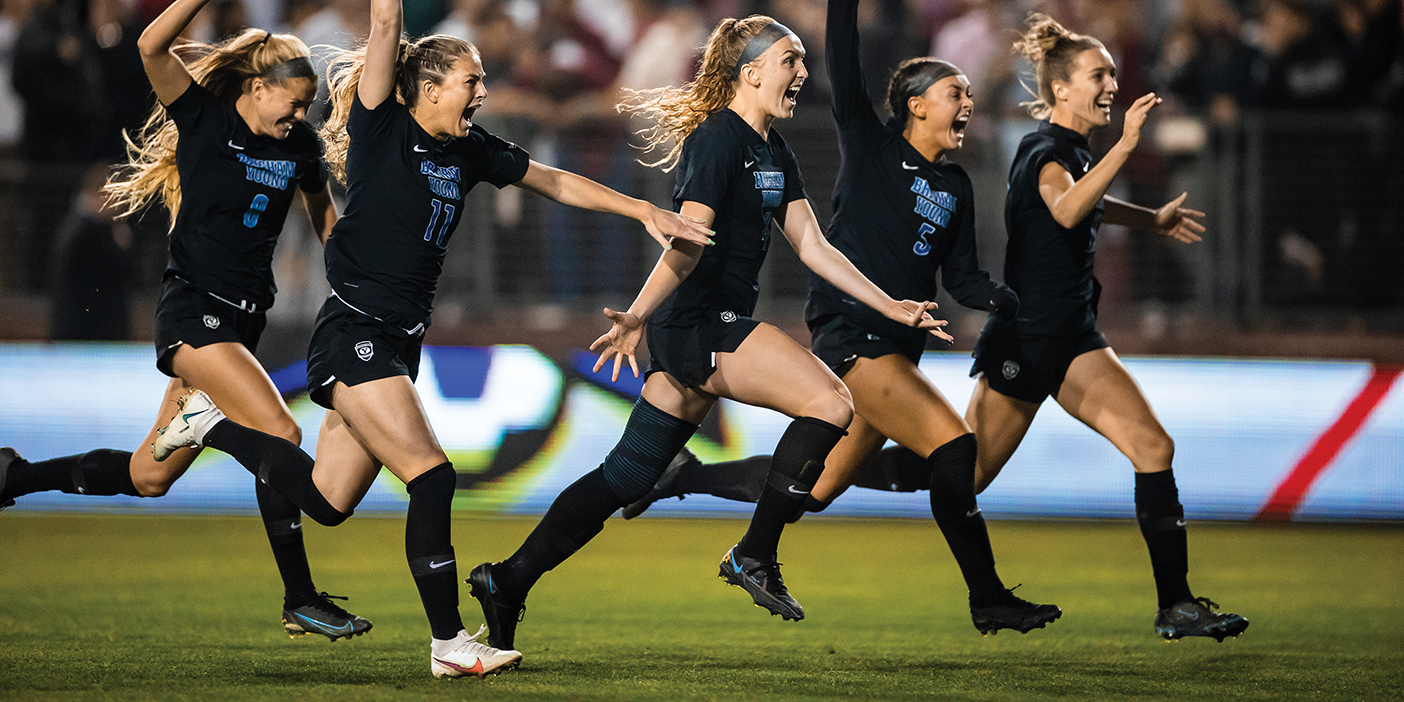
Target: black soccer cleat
323,617
1013,612
761,579
500,613
666,485
7,456
1197,618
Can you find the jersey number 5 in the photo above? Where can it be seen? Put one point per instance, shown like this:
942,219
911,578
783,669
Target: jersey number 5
433,219
922,246
256,208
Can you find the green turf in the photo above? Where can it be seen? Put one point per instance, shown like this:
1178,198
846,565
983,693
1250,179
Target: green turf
187,608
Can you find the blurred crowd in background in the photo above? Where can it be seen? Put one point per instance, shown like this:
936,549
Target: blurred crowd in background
1281,117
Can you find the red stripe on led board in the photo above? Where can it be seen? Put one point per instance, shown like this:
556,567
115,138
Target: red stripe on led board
1289,494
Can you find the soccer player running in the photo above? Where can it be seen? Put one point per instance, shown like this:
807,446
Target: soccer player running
1057,199
226,150
401,136
735,174
901,212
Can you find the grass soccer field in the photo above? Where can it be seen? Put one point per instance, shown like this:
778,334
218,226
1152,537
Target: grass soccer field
122,607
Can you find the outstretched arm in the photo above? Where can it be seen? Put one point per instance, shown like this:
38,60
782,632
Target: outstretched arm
168,75
382,53
1170,220
804,234
578,191
1071,201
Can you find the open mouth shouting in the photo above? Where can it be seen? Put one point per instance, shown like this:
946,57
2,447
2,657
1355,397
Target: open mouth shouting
792,93
1104,104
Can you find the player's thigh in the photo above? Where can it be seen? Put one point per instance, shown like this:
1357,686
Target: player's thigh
848,459
388,419
1100,392
1000,423
345,468
771,370
239,387
893,395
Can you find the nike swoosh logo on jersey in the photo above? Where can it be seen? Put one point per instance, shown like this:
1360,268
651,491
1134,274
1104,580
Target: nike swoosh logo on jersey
750,163
437,566
232,145
909,168
419,150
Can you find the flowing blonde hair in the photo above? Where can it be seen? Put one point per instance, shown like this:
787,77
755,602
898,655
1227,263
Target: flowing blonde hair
430,57
677,112
1052,49
227,70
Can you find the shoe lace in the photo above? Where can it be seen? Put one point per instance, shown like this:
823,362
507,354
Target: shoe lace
324,603
771,571
1207,603
474,646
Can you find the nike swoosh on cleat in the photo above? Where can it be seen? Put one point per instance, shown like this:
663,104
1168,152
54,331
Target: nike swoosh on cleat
477,665
186,417
734,565
492,586
1187,614
304,617
437,566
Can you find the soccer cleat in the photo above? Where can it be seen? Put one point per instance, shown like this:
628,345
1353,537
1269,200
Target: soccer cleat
325,618
180,433
1197,618
7,456
1013,612
762,581
500,613
666,485
463,655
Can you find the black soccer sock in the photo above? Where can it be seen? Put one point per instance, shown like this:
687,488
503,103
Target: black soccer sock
1162,520
796,465
97,472
278,462
283,522
429,547
651,439
958,514
575,517
895,469
742,480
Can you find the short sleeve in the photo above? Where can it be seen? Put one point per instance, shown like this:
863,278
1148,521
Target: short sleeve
707,170
196,110
373,123
505,163
794,182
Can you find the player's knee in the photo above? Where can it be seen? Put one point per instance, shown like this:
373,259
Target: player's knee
834,406
287,428
1157,450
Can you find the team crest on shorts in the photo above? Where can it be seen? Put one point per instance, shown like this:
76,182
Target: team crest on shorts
211,321
364,350
728,316
1010,370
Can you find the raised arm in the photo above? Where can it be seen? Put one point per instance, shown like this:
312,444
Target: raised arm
672,269
382,53
167,74
578,191
1071,201
802,230
841,57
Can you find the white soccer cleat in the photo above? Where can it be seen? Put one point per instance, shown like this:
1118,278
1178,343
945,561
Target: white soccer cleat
195,410
463,655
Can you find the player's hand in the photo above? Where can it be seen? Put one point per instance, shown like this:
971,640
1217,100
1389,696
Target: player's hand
664,226
1004,302
917,314
1135,118
1179,223
619,342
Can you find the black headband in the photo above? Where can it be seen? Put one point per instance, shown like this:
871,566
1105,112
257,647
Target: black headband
300,67
931,73
763,40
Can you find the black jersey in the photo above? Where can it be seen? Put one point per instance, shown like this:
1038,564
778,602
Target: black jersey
897,216
746,180
404,198
1050,266
235,190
